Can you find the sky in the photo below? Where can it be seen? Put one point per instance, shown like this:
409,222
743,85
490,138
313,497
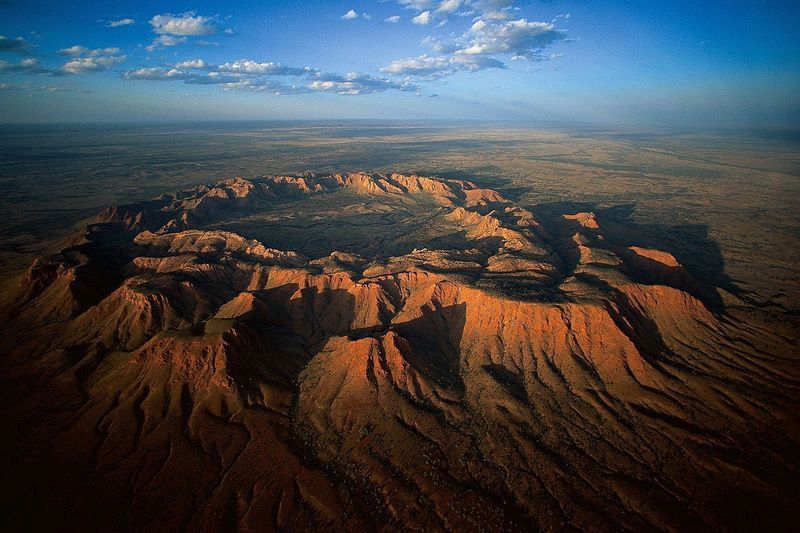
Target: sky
699,64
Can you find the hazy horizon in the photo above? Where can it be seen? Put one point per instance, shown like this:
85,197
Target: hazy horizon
788,133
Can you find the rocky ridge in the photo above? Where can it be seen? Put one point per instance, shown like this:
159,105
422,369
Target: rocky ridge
542,377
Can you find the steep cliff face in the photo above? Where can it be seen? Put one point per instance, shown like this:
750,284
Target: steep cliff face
164,373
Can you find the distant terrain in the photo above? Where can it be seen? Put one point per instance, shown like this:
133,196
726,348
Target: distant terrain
735,193
356,327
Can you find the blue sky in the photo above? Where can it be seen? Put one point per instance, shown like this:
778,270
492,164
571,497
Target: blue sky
698,64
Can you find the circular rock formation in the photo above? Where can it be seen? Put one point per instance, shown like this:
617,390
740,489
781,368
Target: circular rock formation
379,351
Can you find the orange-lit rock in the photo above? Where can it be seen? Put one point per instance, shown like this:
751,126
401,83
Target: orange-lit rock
173,374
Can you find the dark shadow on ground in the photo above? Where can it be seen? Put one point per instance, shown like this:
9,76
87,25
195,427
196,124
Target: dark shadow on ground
688,243
502,185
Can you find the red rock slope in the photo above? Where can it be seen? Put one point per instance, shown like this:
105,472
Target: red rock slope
161,375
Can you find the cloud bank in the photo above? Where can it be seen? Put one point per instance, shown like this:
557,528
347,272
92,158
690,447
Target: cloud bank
172,30
494,37
267,76
492,34
90,60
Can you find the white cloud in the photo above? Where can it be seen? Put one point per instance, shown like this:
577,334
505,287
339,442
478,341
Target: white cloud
265,86
120,22
92,62
428,67
78,50
155,73
448,6
366,16
184,24
478,26
74,51
394,19
254,76
163,41
417,5
421,65
191,63
491,34
350,15
248,66
192,77
496,14
422,19
485,9
522,38
88,60
355,84
493,9
198,71
83,65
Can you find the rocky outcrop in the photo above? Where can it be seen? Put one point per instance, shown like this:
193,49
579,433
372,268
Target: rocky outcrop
511,377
